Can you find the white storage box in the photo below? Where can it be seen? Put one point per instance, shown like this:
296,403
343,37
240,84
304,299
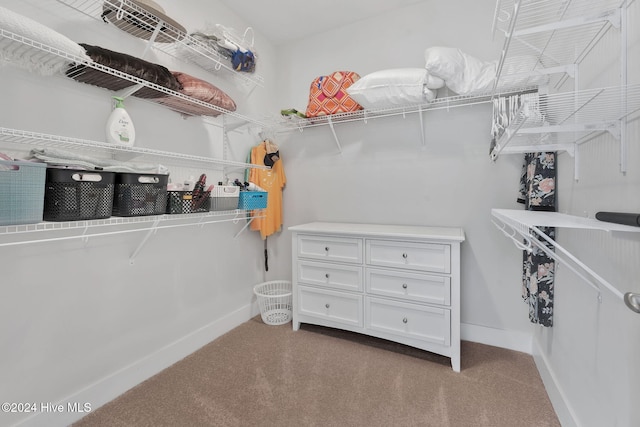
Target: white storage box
225,197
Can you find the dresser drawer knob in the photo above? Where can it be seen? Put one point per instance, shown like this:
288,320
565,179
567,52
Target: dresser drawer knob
405,256
326,275
326,248
405,320
404,286
327,305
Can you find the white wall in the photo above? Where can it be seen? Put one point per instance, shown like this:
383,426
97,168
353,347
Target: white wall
593,348
589,358
78,323
384,174
83,322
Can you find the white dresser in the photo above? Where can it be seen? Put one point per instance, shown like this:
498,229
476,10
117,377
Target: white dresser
400,283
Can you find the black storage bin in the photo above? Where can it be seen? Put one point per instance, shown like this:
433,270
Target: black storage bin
182,202
72,194
140,194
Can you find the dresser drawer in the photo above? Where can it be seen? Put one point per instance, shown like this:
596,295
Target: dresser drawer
417,287
408,320
330,305
341,249
418,256
337,276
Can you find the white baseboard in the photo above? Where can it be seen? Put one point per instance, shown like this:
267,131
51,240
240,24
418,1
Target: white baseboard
526,343
558,399
511,340
108,388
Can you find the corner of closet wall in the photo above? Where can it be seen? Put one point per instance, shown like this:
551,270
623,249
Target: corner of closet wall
384,174
588,355
109,310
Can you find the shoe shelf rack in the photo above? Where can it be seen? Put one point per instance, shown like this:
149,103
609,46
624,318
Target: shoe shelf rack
559,35
174,42
522,227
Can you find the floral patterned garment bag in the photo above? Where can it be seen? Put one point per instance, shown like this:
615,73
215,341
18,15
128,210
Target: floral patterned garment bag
538,193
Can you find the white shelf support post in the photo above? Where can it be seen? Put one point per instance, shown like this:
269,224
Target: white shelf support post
335,136
151,231
152,39
623,94
424,144
244,228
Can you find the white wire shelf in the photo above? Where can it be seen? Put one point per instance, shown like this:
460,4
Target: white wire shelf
174,41
560,121
13,235
297,123
21,137
556,33
141,222
48,52
522,227
293,122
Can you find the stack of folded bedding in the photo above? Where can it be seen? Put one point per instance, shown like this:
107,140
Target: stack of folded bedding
54,157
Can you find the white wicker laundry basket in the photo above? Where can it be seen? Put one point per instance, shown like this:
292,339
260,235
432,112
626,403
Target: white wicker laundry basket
274,299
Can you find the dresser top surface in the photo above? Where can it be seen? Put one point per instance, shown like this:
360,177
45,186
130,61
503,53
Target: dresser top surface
382,230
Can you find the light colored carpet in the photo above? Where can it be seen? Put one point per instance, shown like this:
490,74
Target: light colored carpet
261,375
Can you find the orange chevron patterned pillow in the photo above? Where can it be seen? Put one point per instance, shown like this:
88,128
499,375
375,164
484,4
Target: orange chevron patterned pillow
328,94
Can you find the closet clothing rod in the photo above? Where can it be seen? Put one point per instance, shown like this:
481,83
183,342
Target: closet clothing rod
525,225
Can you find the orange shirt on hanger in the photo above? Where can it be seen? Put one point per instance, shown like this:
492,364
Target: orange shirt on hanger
273,181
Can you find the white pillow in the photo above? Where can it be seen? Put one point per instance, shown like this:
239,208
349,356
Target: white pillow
444,62
434,82
17,54
462,73
393,87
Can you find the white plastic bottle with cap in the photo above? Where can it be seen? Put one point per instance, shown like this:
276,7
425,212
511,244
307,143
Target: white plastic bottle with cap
120,128
253,187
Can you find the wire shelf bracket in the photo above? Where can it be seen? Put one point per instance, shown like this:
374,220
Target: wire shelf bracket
85,230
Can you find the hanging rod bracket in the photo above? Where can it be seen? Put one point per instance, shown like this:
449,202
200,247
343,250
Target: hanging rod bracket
632,300
560,255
